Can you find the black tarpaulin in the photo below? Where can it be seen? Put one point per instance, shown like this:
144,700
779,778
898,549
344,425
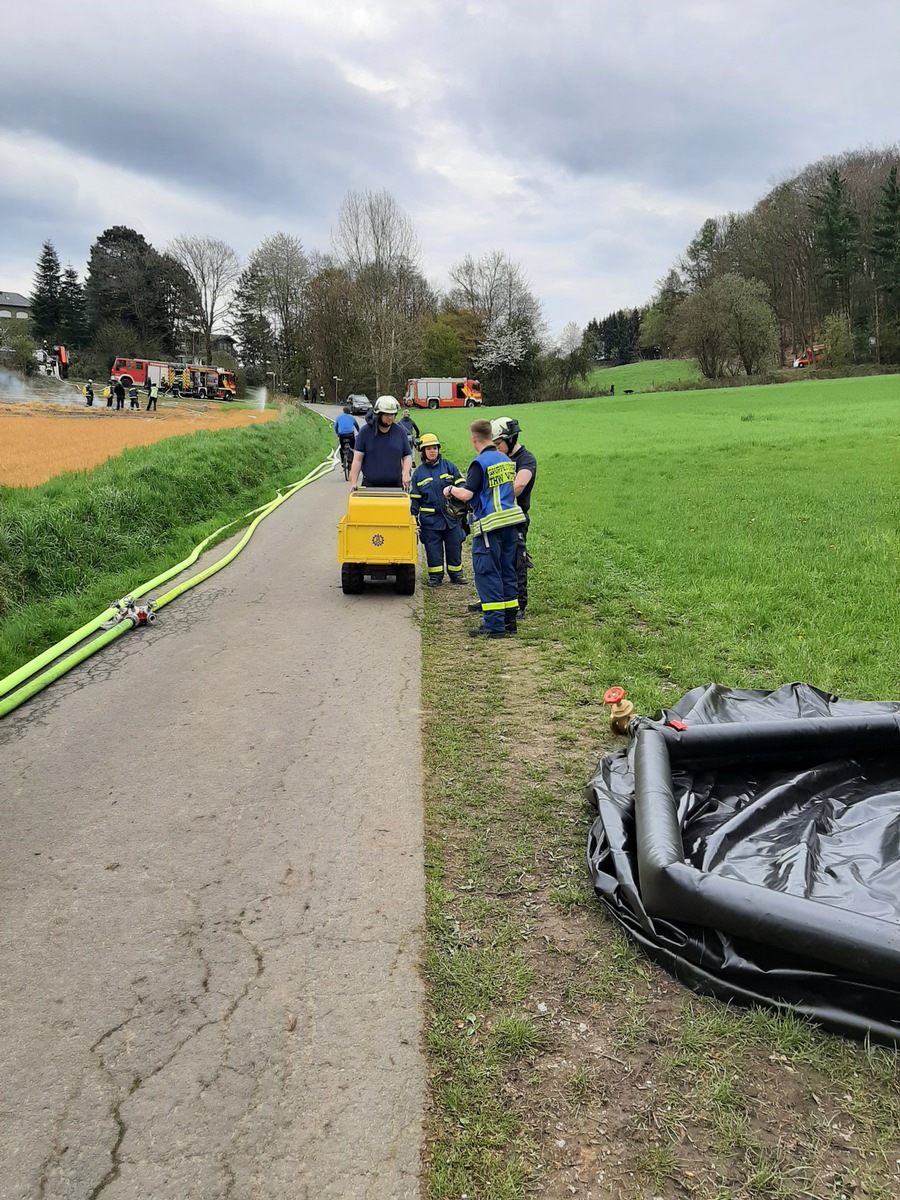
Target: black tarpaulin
756,853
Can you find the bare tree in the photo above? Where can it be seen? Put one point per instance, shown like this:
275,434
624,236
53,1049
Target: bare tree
213,266
497,289
284,272
378,247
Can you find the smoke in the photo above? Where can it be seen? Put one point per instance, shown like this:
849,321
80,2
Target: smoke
12,387
43,389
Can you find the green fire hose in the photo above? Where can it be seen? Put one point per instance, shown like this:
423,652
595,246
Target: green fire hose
13,688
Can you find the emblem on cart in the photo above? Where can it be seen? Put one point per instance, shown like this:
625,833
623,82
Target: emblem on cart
377,540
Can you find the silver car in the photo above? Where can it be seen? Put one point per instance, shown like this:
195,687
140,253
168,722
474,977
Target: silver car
359,404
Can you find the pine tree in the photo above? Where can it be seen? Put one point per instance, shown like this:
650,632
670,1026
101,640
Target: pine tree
249,321
837,239
72,314
45,299
886,241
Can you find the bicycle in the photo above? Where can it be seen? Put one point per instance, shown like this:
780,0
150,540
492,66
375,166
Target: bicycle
346,458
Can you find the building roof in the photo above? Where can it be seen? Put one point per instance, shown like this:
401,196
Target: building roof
15,300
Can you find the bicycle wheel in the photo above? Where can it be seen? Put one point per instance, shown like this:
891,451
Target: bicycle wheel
346,460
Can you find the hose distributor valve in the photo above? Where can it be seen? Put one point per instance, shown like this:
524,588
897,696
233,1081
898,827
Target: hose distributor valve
621,710
136,611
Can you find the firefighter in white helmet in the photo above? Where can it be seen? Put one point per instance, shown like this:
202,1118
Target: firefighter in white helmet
382,453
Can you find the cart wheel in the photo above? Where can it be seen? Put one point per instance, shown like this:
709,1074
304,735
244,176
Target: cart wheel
351,579
405,580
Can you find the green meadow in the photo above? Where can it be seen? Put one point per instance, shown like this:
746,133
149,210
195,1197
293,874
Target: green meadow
744,536
644,376
749,537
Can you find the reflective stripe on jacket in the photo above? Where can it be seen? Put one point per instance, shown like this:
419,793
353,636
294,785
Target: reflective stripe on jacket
495,505
426,493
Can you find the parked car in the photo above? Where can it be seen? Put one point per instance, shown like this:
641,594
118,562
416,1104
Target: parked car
359,404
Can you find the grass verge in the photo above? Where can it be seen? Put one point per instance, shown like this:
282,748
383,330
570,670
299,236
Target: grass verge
748,538
70,546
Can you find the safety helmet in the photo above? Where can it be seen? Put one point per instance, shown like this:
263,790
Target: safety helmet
387,405
90,381
505,429
429,439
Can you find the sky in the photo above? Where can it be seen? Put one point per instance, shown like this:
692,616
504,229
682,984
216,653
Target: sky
588,139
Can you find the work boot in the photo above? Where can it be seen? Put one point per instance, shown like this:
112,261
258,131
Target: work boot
474,607
459,579
511,626
488,633
435,582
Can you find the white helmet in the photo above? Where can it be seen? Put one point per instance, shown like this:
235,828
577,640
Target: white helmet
387,405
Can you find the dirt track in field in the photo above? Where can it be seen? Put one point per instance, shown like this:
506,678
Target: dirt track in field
39,440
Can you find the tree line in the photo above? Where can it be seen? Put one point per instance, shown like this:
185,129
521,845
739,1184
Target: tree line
360,316
815,262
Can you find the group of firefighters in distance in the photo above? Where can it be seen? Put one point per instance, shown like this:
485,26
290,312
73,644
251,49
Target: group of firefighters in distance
491,502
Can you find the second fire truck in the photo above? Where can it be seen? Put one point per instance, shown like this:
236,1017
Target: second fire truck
178,379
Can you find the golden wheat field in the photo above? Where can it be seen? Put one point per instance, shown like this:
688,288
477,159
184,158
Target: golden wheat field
36,444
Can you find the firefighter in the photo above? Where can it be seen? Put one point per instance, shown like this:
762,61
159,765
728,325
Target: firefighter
152,396
489,488
133,401
441,531
382,451
505,433
409,427
89,393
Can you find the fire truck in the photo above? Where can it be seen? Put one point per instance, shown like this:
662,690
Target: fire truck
52,361
810,357
178,379
442,393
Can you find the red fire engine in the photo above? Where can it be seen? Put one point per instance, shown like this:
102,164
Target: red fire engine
442,393
178,379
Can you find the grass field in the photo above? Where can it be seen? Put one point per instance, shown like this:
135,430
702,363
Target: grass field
643,376
745,537
36,445
71,545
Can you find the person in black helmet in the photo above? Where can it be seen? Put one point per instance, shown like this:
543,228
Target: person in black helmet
506,438
346,427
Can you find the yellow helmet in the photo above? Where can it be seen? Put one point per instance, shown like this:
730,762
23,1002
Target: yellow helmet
428,439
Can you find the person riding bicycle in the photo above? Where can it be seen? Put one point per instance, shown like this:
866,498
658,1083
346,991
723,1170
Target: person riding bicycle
346,428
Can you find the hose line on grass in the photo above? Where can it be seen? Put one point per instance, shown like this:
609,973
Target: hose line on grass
60,668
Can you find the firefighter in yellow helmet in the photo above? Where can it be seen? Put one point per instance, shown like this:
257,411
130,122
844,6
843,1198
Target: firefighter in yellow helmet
441,531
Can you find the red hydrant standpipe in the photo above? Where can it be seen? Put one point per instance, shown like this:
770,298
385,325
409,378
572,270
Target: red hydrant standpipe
621,710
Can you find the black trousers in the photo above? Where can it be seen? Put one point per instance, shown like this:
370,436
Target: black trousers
522,563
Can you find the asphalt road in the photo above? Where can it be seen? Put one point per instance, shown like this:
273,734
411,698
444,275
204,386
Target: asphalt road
211,895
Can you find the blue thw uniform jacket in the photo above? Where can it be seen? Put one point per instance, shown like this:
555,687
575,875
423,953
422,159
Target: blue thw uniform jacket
427,493
494,502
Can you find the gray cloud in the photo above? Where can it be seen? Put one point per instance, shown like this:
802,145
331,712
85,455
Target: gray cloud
589,140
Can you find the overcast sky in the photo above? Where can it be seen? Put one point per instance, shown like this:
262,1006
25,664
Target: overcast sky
588,139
